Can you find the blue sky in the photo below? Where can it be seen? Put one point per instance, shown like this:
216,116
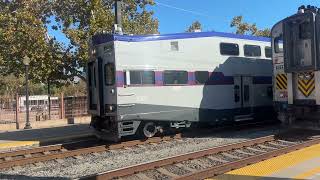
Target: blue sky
217,14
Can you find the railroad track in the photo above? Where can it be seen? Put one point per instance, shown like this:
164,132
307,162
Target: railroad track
214,161
61,151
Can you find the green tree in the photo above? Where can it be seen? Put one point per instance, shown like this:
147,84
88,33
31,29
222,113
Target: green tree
23,32
82,18
246,28
196,25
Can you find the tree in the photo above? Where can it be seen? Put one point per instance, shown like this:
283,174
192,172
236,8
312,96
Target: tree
23,32
196,25
246,28
81,19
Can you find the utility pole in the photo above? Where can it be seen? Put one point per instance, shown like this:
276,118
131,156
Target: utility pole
117,29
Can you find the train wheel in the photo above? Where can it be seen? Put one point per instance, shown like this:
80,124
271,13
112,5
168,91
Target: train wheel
150,129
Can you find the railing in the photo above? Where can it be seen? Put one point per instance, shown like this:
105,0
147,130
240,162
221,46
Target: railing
65,107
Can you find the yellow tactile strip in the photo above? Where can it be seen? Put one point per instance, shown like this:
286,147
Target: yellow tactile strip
14,144
274,165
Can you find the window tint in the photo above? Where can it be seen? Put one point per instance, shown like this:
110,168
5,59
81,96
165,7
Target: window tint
229,49
175,77
252,50
109,74
201,77
268,52
246,93
278,44
236,93
142,77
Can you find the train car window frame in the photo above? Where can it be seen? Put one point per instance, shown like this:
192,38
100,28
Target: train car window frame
277,44
230,49
109,74
199,78
142,77
268,51
175,77
252,50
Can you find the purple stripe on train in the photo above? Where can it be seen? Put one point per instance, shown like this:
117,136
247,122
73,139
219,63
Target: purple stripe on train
215,78
120,78
158,78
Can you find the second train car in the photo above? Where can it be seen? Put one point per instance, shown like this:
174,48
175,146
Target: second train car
147,84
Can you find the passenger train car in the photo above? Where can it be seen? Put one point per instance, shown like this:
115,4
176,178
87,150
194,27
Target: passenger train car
146,84
296,59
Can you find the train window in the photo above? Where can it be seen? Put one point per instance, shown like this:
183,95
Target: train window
236,93
278,44
246,93
94,77
142,77
109,74
175,77
174,46
252,50
268,52
229,49
201,77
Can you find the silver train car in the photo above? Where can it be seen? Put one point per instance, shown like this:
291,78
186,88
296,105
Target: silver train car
296,59
147,84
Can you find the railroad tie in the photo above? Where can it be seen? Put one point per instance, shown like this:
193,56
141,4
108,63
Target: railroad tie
288,142
27,155
59,161
256,150
217,159
243,152
78,157
166,172
38,164
266,147
63,150
275,144
143,176
46,152
95,154
7,158
185,167
231,156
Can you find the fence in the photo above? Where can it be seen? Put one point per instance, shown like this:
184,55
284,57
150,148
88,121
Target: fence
13,110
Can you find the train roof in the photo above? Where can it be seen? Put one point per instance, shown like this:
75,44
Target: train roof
103,38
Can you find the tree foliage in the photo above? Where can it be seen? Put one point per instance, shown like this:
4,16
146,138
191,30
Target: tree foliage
196,25
80,19
246,28
23,32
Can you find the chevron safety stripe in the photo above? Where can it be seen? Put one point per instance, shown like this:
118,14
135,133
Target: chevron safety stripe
281,81
306,86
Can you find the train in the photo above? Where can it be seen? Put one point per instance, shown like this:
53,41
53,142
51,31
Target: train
147,84
296,61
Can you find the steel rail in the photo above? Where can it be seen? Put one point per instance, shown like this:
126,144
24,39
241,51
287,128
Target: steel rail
176,159
217,170
64,153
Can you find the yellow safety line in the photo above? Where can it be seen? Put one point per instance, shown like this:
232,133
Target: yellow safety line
12,144
274,165
308,173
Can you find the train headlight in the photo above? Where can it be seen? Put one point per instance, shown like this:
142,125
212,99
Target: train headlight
110,108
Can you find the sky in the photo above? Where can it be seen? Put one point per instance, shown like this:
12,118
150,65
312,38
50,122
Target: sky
215,15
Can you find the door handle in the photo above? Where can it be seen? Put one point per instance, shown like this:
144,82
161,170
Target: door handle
126,105
132,94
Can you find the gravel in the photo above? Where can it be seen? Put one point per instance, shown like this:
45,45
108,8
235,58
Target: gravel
154,174
110,160
176,170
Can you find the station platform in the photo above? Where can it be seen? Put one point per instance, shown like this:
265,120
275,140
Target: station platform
300,164
43,136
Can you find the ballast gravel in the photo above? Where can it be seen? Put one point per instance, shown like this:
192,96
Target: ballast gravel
110,160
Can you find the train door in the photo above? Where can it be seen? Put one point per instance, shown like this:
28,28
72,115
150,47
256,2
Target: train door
92,86
243,98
